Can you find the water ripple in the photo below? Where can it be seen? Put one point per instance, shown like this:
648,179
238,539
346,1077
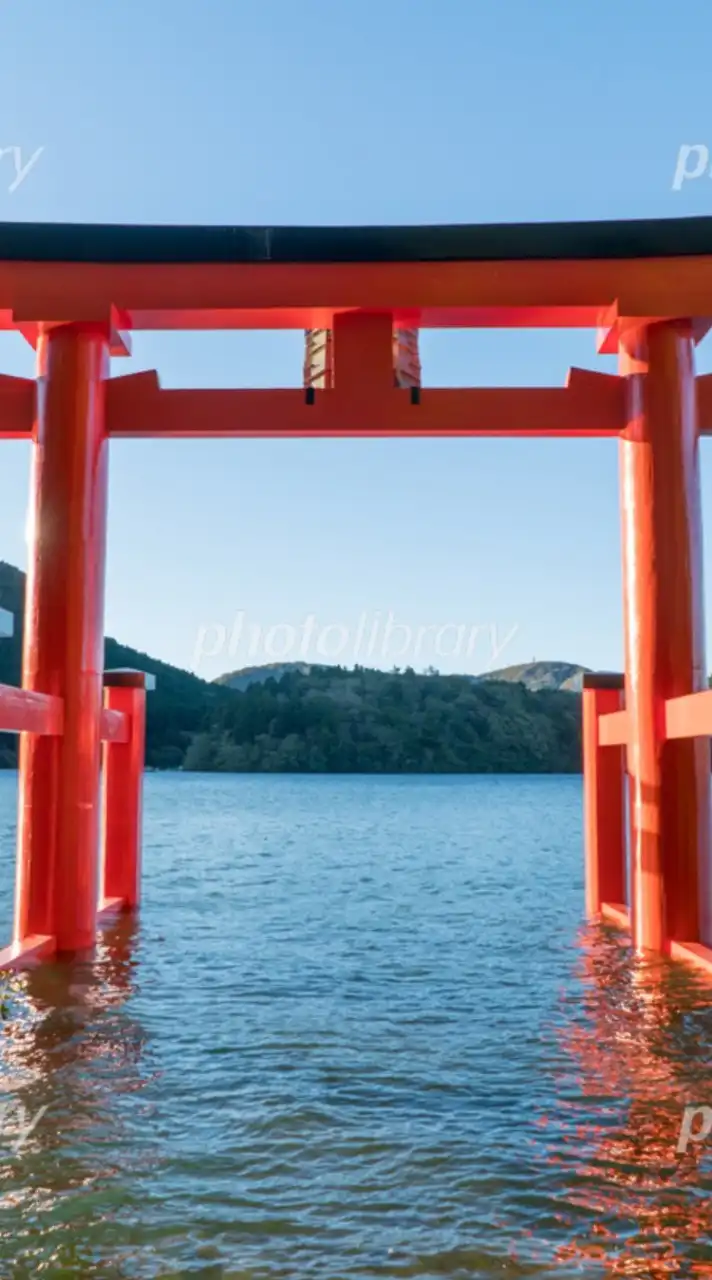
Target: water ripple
359,1031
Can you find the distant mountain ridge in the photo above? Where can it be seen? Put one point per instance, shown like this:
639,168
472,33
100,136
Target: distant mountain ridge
567,676
246,676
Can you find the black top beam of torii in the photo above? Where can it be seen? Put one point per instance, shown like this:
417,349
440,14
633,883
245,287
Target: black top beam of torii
487,242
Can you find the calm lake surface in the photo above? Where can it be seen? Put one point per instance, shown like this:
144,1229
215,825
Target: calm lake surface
358,1031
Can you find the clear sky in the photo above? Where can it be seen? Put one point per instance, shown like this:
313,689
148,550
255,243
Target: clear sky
384,111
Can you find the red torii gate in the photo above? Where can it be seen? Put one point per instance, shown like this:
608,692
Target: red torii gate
77,292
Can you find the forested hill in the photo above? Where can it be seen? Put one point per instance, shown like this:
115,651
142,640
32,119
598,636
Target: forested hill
180,707
328,719
362,721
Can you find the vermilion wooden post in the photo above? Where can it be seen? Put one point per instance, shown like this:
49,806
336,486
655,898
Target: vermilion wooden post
63,642
124,691
604,796
662,566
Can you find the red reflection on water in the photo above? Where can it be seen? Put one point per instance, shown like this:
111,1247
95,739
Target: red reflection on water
639,1049
68,1050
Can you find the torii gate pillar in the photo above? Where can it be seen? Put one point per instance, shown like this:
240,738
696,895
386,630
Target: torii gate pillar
59,815
664,636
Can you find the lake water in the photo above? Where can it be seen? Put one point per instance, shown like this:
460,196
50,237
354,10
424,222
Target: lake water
358,1031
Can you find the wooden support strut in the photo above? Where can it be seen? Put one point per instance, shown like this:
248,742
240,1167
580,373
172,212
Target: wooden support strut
604,794
125,698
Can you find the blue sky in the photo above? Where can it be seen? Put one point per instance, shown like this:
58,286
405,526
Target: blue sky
389,112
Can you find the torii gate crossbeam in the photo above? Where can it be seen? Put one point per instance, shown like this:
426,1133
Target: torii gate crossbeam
362,294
